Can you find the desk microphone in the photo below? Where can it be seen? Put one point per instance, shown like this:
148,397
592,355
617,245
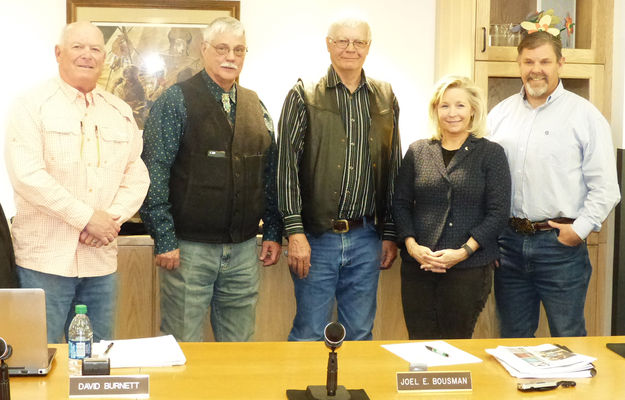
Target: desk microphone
5,353
333,334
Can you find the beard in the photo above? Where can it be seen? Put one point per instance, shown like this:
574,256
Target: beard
538,91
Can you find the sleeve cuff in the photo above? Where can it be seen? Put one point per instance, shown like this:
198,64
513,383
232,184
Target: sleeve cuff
293,224
163,246
389,233
583,227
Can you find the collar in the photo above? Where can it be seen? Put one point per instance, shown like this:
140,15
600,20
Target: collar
558,91
74,94
470,139
217,90
333,79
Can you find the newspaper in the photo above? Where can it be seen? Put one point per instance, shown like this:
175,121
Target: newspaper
543,361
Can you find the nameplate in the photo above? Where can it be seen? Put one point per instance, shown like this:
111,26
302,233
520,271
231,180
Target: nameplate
433,381
137,386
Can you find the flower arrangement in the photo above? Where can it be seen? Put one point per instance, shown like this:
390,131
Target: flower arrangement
545,21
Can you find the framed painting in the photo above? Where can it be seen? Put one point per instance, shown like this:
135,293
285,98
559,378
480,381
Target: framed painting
150,44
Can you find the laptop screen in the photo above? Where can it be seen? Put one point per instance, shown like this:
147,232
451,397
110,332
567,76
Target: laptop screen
23,327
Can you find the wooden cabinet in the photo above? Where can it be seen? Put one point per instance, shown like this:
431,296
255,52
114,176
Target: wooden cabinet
591,25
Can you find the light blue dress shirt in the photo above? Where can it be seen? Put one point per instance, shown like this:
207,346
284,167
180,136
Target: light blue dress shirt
561,159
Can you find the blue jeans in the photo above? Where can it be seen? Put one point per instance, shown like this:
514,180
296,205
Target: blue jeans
98,293
346,267
539,268
224,277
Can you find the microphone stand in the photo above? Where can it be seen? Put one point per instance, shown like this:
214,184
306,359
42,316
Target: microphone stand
331,391
333,369
5,389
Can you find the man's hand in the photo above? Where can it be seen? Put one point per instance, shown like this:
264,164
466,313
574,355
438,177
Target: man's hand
270,252
389,253
169,260
299,255
567,236
102,226
88,239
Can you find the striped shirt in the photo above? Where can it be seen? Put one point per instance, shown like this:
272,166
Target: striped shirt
357,193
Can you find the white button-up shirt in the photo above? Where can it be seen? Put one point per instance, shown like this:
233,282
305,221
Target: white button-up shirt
561,159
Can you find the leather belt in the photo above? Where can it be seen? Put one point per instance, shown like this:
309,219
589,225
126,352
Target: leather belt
526,227
345,225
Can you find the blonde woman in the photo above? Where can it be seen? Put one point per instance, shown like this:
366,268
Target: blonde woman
452,199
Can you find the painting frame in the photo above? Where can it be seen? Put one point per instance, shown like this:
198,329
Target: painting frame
74,6
150,44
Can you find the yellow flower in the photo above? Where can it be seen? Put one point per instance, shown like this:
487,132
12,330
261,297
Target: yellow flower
542,25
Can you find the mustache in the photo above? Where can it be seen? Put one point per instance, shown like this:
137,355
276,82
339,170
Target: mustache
537,76
229,65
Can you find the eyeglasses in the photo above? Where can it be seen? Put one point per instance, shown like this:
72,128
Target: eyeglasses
344,43
222,50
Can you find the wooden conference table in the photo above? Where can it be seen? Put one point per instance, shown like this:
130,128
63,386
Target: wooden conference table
265,370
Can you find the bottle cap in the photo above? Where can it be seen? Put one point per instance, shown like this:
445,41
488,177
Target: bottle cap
81,309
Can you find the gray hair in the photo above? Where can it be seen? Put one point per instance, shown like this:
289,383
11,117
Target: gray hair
349,23
222,25
71,26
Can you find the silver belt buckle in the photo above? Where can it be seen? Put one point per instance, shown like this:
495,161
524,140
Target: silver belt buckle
343,229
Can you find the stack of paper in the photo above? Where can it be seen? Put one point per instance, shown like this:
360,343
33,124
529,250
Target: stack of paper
543,361
161,351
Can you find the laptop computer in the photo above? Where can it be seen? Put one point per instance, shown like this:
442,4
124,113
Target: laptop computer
23,326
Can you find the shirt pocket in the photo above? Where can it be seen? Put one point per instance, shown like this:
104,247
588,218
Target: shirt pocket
558,144
61,141
115,147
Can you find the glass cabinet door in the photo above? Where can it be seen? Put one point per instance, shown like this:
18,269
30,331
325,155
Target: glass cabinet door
500,80
496,37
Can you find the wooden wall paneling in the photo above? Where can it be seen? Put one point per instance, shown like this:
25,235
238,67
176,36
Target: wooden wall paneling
592,309
389,321
487,325
276,303
455,43
135,300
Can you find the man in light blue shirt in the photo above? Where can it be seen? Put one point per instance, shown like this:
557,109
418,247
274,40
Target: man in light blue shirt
564,185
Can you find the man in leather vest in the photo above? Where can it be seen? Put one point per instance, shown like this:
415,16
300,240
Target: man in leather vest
211,153
339,152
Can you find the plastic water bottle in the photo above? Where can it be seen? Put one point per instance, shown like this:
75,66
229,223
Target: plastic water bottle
80,339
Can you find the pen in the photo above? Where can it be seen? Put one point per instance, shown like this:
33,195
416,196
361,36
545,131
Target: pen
108,348
433,350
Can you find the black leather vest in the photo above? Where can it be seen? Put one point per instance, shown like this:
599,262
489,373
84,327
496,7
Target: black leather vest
216,185
323,159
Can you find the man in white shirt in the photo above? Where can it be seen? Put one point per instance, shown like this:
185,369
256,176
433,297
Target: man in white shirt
564,185
73,157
